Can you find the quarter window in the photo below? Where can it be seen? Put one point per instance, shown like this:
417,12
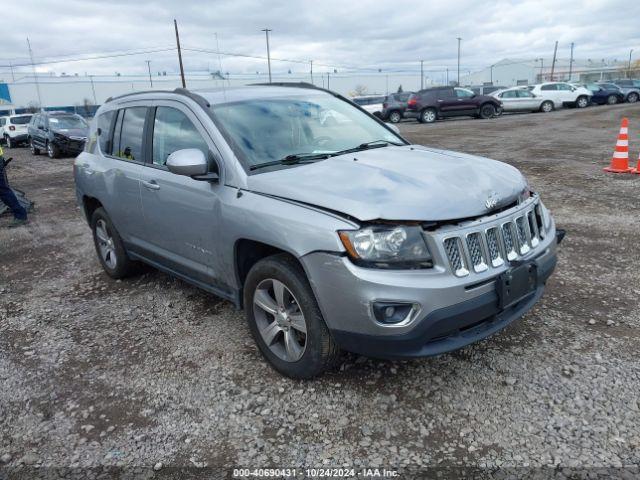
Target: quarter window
524,94
129,146
509,94
173,131
104,130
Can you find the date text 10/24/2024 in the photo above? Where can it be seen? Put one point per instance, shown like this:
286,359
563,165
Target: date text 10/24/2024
315,472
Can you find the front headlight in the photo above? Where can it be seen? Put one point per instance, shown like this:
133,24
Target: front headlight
387,247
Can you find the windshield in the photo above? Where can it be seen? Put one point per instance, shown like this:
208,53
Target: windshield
58,123
23,120
271,129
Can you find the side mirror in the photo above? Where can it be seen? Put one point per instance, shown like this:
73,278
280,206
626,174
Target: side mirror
40,127
393,127
188,162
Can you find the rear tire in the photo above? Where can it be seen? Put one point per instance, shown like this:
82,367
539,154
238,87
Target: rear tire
428,115
10,143
395,117
34,150
319,352
582,101
109,247
487,111
632,97
546,106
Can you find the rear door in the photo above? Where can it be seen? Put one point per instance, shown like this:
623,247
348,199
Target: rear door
39,133
447,101
510,101
181,215
121,169
550,91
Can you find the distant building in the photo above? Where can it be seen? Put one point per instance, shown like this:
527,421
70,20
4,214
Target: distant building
513,71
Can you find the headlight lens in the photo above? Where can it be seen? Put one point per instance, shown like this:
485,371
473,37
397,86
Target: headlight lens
387,247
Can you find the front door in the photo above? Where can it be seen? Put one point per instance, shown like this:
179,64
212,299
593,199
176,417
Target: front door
181,215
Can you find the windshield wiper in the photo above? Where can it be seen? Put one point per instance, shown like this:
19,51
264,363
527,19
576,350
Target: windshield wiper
293,160
367,146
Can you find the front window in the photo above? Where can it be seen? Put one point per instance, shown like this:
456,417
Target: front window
464,93
22,120
272,129
70,122
173,131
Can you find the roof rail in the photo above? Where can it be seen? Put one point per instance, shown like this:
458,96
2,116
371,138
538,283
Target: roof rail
308,85
200,100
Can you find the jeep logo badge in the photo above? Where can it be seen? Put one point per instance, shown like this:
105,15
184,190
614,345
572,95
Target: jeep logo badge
491,201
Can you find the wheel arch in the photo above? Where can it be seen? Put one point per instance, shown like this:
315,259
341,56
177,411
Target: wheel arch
90,205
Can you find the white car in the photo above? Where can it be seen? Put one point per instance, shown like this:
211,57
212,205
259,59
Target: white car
371,103
563,94
14,129
518,99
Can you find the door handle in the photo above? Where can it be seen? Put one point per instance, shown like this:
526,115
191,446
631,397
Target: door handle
151,185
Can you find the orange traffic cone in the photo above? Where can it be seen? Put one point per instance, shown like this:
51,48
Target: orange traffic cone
637,169
620,160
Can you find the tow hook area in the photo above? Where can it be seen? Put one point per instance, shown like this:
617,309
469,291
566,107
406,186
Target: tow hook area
560,233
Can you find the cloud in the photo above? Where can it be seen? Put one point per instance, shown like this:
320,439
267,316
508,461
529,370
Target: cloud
367,34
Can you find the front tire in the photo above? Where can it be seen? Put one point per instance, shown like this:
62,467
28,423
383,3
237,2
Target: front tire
285,320
632,97
10,142
428,115
109,247
52,150
582,101
546,106
612,100
487,111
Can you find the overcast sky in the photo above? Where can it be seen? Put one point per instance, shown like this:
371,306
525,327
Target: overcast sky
360,34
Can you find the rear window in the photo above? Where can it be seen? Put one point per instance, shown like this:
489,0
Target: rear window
21,120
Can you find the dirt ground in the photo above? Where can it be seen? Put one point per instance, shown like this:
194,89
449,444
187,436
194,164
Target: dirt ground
153,372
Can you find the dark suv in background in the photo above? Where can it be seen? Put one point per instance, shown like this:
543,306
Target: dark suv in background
394,106
439,102
57,133
605,93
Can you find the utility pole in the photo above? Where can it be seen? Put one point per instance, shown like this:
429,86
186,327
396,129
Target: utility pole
311,61
266,33
491,73
459,40
13,77
571,63
175,24
629,71
35,76
421,74
149,68
447,76
93,89
553,63
327,80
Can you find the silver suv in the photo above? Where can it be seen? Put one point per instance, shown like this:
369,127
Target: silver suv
321,221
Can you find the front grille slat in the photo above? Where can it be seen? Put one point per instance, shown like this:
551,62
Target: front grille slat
453,247
474,244
496,244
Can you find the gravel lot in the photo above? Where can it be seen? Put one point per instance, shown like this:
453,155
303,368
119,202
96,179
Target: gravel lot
153,372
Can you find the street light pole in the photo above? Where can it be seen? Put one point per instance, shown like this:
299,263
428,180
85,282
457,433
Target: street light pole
149,69
459,40
266,33
571,63
421,74
35,75
629,71
311,62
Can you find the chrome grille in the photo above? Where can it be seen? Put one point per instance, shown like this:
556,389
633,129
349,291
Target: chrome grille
523,243
475,252
454,251
533,229
493,245
507,235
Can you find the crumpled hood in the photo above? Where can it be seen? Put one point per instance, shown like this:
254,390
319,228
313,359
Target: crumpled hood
72,132
397,183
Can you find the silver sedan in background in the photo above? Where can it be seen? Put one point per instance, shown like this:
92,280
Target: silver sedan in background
521,99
